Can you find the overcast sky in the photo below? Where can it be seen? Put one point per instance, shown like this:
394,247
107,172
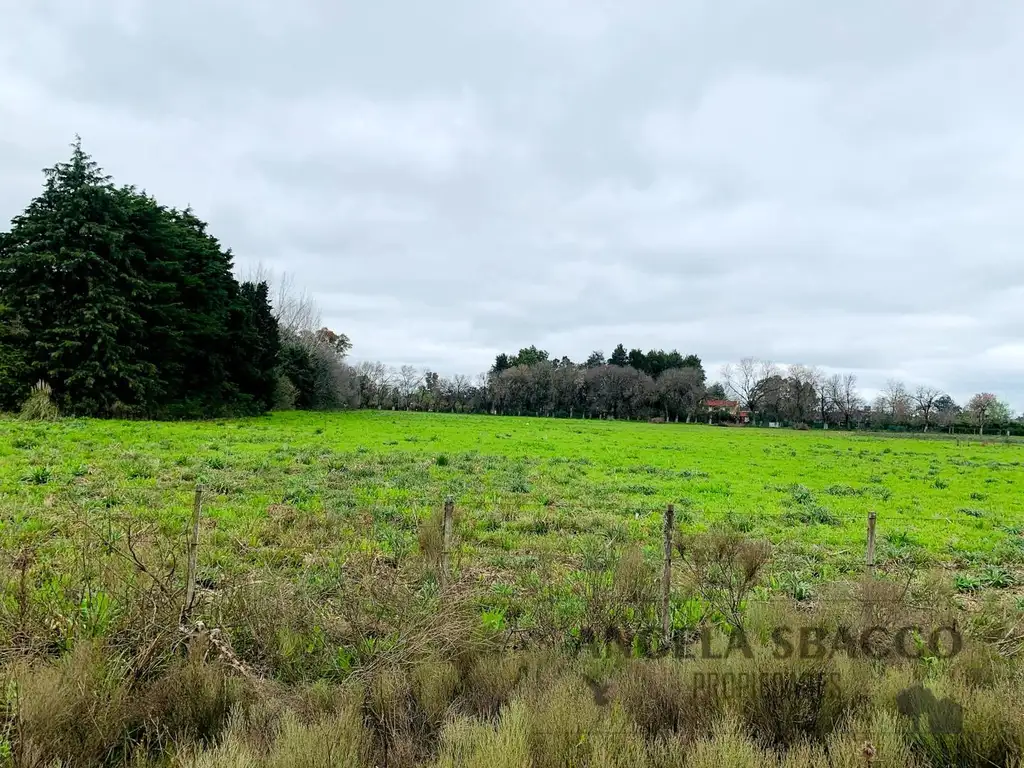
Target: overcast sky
829,183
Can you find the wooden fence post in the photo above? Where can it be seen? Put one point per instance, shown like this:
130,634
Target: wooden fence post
446,538
871,542
666,577
193,552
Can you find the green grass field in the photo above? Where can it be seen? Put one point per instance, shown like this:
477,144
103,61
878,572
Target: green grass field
364,480
326,632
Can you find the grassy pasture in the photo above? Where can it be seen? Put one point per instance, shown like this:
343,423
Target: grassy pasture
364,480
334,643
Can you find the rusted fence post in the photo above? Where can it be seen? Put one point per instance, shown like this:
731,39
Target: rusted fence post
446,538
666,577
871,542
193,554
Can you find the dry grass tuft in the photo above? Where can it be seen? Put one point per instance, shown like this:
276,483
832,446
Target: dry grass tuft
39,405
430,537
468,742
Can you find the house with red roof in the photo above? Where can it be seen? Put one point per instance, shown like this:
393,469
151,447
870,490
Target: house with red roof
723,410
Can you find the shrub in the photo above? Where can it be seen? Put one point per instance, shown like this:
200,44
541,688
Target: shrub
470,743
801,494
191,701
40,406
561,719
285,394
434,684
337,739
729,746
518,484
660,697
54,703
489,683
389,706
82,710
838,489
791,703
724,568
799,589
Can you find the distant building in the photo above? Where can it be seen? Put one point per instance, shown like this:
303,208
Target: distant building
730,408
729,405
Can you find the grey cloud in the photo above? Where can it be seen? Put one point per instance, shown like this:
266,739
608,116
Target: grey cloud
811,182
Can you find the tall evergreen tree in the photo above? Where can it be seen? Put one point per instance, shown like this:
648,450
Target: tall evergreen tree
530,356
717,392
70,285
501,363
638,360
619,356
256,345
125,306
194,312
14,371
672,360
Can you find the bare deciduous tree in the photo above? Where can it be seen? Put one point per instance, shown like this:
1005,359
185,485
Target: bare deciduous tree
408,379
747,381
459,385
826,408
679,391
924,399
946,411
986,408
618,391
375,381
893,403
842,391
295,309
801,393
567,388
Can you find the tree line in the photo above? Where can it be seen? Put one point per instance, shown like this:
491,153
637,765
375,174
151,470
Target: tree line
555,387
638,385
112,304
805,394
